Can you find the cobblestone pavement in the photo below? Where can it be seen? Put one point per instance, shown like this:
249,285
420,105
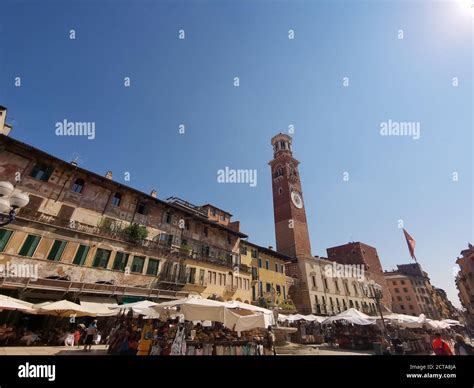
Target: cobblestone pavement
292,349
50,350
287,350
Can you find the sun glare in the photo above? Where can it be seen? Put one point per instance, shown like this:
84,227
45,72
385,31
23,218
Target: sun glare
467,5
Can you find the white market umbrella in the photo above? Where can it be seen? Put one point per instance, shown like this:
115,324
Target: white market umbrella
148,313
6,304
143,304
100,309
317,318
239,323
308,318
235,316
268,314
452,322
143,307
434,324
62,308
404,320
9,303
247,306
352,316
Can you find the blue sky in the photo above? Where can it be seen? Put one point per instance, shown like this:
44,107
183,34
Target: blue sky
282,82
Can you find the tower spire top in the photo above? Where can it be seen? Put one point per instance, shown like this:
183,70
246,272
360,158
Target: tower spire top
282,144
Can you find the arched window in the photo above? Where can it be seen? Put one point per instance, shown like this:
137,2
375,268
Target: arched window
78,185
292,170
279,171
117,199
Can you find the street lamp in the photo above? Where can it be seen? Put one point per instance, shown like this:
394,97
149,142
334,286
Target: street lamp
374,291
11,199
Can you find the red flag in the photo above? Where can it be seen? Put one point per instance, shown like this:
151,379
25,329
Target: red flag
411,244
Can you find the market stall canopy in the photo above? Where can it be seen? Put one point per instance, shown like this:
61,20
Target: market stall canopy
143,307
352,316
143,304
297,317
195,309
247,306
316,318
434,324
268,314
408,321
452,322
234,315
12,304
9,303
239,323
100,309
148,313
62,308
300,317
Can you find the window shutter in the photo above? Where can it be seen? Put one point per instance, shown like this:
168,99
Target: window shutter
57,250
29,246
4,237
65,213
81,255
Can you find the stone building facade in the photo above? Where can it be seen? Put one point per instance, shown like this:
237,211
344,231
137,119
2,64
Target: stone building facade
443,305
412,292
465,283
357,253
86,234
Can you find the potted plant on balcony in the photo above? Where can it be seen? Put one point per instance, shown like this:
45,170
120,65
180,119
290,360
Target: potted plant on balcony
109,226
136,233
186,249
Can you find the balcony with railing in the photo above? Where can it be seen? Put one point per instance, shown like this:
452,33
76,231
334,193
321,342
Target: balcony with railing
166,244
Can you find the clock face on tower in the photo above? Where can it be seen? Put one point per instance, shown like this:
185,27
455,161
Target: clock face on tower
296,199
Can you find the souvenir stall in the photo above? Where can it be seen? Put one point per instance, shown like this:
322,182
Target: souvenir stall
194,326
237,329
407,333
351,329
308,328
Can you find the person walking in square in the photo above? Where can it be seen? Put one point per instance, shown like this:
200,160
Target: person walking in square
91,331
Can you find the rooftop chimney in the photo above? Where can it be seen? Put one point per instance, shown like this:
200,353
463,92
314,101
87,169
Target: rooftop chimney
108,175
153,193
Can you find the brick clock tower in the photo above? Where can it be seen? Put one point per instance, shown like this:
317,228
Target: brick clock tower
291,229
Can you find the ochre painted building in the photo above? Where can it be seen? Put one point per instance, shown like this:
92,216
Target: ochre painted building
269,280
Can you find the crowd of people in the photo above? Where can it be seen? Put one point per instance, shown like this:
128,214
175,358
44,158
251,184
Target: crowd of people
61,332
136,336
128,334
